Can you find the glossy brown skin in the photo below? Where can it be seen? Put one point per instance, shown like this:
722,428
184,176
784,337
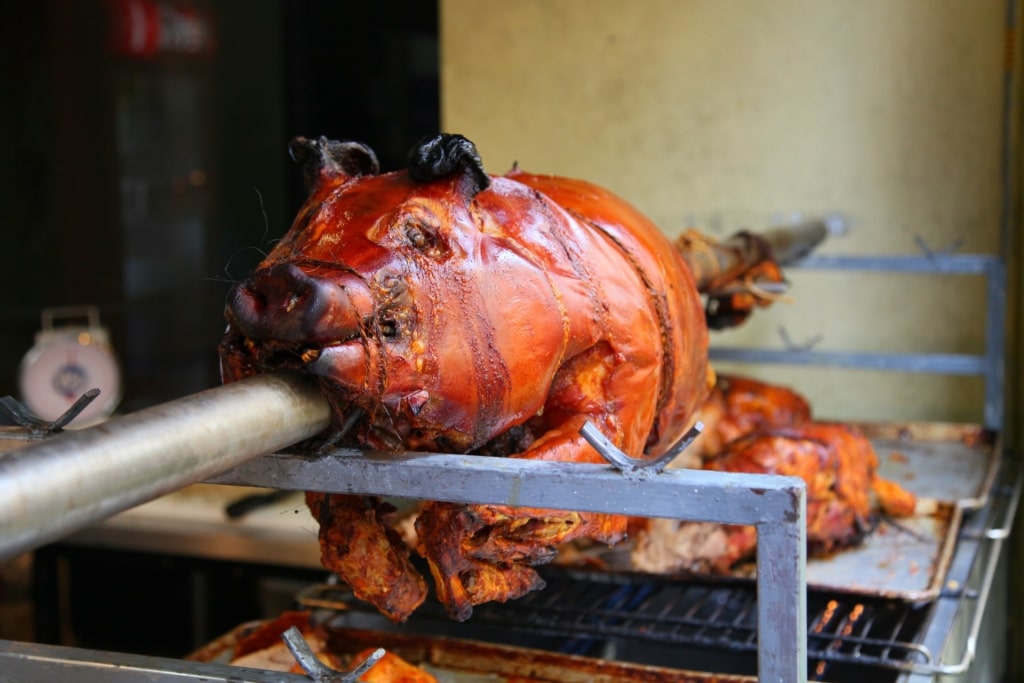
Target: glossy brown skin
498,322
840,468
739,406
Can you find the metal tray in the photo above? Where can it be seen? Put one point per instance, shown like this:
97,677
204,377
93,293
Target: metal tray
904,559
907,559
461,661
948,462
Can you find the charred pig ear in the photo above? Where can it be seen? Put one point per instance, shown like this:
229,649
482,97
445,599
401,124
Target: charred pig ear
443,155
330,158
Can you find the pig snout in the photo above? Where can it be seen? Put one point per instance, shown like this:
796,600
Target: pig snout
284,303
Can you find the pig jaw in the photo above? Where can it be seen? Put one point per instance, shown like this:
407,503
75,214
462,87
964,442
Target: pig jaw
370,361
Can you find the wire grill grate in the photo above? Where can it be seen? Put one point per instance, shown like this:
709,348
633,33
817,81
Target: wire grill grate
585,607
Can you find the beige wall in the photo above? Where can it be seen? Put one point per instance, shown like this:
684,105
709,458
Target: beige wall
743,114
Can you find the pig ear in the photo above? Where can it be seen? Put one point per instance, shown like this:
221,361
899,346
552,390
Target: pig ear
443,155
323,158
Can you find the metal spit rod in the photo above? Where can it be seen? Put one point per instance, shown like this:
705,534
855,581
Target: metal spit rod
77,478
713,263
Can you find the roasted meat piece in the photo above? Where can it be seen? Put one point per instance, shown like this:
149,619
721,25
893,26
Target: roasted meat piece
358,542
392,669
480,553
839,466
739,406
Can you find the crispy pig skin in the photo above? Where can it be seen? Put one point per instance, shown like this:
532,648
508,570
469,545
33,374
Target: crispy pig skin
741,405
392,669
834,461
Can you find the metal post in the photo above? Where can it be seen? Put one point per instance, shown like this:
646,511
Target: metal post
77,478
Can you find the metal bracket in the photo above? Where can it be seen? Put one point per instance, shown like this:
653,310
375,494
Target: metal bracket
38,427
792,346
930,253
317,670
616,457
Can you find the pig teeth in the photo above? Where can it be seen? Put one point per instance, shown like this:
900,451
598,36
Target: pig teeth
310,355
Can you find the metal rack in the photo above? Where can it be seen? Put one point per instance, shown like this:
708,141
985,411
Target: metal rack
586,612
990,365
972,572
775,505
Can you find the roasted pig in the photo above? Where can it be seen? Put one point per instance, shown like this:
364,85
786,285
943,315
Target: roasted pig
444,309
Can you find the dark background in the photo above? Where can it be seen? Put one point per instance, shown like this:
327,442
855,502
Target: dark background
145,185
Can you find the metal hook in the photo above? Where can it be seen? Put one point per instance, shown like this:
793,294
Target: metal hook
616,457
790,345
39,427
317,670
930,253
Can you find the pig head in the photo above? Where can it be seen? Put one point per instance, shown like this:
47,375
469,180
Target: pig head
439,306
446,310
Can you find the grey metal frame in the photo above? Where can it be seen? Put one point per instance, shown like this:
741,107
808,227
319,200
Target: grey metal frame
34,662
969,586
989,365
136,457
775,505
949,610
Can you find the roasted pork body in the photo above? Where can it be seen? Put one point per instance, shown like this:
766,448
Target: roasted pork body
446,310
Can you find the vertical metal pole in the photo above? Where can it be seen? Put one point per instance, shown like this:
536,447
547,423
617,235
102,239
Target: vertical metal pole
995,343
782,596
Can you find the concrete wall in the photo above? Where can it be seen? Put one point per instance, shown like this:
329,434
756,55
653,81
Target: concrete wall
744,114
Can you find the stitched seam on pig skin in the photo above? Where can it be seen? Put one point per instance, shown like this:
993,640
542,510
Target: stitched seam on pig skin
657,299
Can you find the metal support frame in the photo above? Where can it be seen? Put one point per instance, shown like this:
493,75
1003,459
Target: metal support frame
775,505
989,365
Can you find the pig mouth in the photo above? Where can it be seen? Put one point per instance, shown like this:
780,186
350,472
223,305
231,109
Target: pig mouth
340,329
312,357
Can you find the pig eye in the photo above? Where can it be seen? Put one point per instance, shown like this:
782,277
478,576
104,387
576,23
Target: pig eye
424,238
420,237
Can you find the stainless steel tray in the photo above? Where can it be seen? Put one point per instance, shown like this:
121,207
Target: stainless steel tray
948,462
953,464
904,559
